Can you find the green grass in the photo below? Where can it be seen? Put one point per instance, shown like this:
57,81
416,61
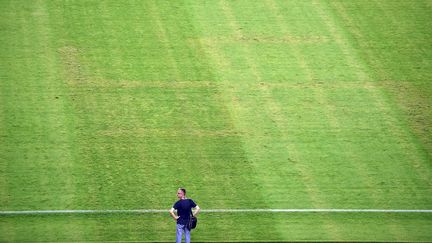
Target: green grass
276,104
215,227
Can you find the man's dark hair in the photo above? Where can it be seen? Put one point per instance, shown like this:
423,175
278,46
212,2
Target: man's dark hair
183,190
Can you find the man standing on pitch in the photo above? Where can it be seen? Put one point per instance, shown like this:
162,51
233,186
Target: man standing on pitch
184,210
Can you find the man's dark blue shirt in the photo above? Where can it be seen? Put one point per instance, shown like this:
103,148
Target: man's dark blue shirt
184,210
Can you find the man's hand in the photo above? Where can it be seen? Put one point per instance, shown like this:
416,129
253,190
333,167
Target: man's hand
175,217
197,209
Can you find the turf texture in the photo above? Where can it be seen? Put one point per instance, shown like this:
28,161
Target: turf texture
247,104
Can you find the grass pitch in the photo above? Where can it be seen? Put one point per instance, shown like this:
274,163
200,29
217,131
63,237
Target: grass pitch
270,104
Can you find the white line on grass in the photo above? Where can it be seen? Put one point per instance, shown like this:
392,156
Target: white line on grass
267,210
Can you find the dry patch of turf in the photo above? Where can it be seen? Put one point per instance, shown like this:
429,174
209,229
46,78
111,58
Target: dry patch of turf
417,108
168,132
74,72
263,39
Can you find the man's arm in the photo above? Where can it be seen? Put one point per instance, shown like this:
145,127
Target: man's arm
175,217
197,209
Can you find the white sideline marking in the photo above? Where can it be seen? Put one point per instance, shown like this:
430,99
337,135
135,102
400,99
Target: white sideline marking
268,210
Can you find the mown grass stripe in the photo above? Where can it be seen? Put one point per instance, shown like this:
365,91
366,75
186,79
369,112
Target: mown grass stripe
244,210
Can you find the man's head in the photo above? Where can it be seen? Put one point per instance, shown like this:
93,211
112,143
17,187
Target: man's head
181,193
